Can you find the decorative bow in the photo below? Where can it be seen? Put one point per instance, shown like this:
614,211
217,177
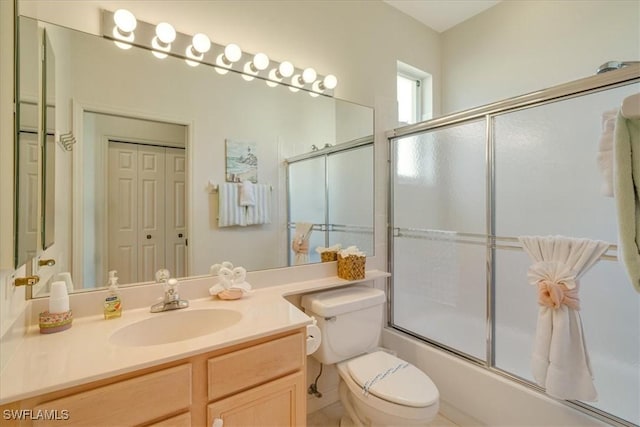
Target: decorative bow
557,284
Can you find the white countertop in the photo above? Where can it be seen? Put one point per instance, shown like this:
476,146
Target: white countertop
44,363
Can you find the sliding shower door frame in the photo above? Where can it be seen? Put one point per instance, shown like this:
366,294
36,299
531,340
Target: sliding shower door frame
578,88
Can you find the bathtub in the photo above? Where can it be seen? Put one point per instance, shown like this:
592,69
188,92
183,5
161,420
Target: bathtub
617,382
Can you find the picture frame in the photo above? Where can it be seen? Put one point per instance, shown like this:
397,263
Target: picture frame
241,161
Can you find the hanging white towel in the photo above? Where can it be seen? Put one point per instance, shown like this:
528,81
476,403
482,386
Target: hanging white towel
230,212
300,243
260,212
560,360
626,182
247,194
605,151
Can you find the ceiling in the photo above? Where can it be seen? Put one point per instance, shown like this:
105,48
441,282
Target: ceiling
442,14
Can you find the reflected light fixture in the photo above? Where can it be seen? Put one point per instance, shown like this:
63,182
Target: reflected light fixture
165,35
232,53
252,68
125,24
200,44
329,82
308,76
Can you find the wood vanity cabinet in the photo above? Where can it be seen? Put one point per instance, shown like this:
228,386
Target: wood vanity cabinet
256,383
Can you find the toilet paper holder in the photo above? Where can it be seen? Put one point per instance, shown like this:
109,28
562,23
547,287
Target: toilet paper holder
314,337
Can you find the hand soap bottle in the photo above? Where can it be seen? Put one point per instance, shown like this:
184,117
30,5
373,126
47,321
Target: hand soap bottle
113,302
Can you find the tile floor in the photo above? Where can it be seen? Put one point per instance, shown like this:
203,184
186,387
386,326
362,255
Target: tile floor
330,417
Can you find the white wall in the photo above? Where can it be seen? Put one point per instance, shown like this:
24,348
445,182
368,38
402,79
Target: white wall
517,47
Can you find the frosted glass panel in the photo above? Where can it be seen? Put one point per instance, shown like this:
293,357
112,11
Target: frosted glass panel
547,175
307,200
439,282
350,176
438,292
612,340
440,179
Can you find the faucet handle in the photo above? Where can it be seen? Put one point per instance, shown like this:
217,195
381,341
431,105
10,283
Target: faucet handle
162,275
171,290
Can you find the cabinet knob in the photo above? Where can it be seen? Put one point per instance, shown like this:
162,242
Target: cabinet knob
180,235
148,236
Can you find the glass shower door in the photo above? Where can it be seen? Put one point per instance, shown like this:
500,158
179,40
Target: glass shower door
307,202
350,183
439,240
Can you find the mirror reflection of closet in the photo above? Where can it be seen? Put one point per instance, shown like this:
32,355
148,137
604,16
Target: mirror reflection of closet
135,175
332,189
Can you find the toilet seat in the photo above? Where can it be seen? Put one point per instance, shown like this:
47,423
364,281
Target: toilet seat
392,379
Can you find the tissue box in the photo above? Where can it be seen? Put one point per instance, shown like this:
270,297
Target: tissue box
55,322
328,256
351,267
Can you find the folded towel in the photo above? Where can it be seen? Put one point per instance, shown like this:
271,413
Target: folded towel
626,182
247,194
605,151
560,360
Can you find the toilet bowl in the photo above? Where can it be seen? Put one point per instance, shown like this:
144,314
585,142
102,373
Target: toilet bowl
376,387
406,396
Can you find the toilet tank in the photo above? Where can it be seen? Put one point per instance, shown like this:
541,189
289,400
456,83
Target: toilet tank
350,321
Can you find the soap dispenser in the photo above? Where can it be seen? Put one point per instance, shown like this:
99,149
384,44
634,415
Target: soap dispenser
113,302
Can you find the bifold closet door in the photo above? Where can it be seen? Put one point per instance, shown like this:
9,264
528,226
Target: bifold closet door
146,211
175,212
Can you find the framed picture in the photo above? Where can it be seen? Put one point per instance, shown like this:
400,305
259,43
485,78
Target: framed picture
241,161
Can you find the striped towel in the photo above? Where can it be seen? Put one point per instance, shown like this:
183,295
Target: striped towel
260,212
229,210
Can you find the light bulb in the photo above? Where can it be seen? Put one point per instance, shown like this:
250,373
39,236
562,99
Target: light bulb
201,43
232,52
124,20
330,81
309,75
260,61
286,69
165,32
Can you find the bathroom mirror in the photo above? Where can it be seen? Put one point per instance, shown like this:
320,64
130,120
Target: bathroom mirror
48,143
28,149
213,113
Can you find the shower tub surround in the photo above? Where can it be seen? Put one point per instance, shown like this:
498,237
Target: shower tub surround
525,166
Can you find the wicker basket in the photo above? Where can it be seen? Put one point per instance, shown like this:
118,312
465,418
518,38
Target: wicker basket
351,267
328,256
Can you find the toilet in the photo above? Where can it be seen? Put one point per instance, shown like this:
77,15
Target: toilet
376,388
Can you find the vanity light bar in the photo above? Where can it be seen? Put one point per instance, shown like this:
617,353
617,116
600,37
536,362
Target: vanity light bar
162,40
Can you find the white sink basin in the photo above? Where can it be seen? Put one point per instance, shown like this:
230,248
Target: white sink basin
173,326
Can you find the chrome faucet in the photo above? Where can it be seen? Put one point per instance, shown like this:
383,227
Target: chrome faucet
172,299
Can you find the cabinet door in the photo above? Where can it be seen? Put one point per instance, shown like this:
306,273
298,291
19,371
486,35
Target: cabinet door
279,403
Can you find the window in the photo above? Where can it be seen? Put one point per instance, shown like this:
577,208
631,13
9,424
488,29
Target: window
414,94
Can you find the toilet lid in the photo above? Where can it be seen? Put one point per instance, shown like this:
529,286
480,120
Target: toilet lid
390,378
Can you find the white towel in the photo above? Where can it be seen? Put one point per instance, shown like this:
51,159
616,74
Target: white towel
260,212
247,194
300,242
626,182
560,360
605,151
230,212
